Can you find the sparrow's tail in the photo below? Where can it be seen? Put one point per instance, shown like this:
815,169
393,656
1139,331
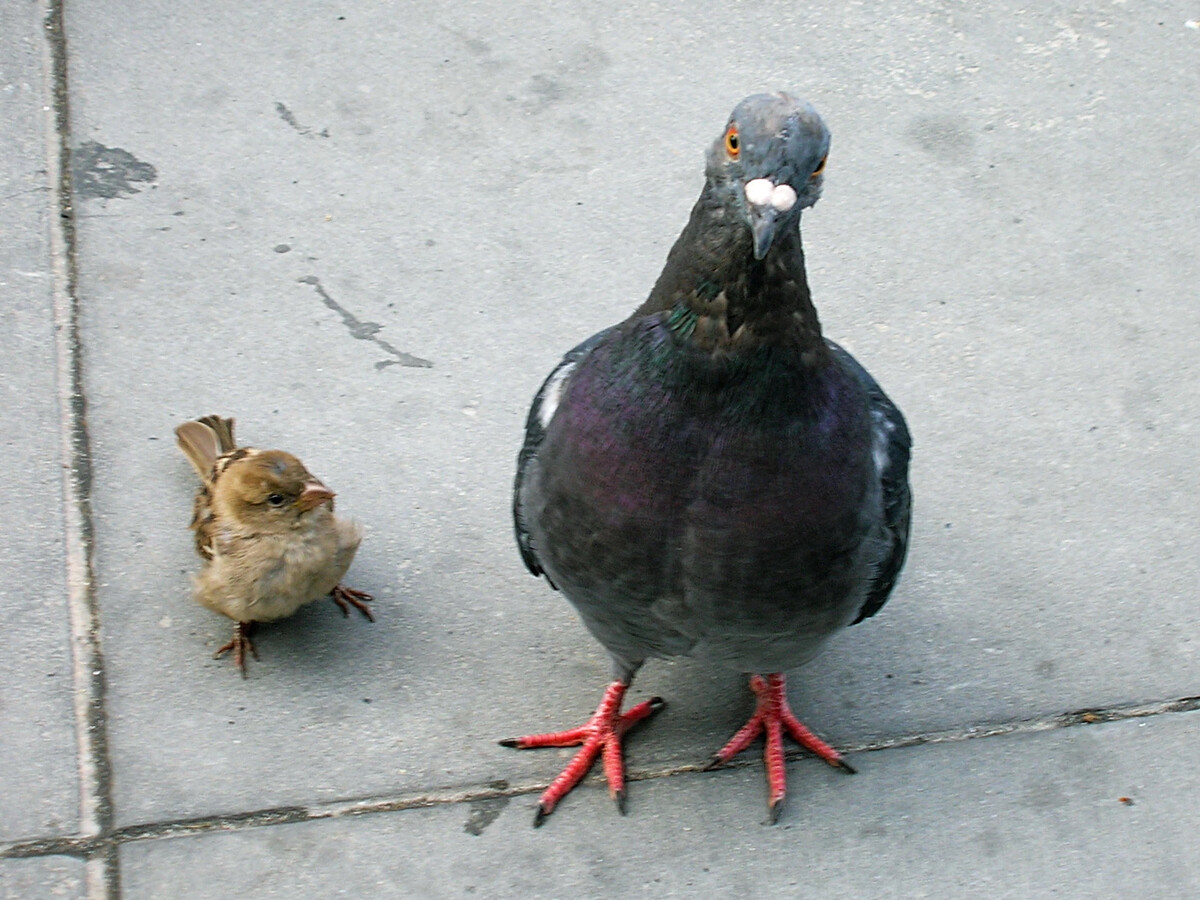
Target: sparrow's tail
203,440
223,428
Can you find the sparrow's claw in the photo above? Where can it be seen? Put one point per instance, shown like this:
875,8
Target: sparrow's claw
346,597
239,644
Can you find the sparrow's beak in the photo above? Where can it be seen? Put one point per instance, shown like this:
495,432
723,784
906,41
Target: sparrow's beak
313,495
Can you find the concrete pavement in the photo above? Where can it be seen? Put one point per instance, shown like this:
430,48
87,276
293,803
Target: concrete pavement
368,233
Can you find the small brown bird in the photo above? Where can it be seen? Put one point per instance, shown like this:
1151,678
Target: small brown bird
266,531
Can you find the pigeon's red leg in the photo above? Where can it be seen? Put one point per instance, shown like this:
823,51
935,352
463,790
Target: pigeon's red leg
239,644
346,597
773,716
600,735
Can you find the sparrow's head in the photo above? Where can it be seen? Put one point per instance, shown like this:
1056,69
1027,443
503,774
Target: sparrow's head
767,165
268,490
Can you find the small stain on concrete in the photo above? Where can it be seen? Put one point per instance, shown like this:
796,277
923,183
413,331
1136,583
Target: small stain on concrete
484,813
99,172
288,116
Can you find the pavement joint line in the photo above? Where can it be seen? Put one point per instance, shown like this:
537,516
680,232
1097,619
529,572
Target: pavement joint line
102,876
90,845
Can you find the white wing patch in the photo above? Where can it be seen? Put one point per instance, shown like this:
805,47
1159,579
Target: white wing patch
553,393
883,433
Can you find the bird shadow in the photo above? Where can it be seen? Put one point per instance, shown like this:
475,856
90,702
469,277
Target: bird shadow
319,638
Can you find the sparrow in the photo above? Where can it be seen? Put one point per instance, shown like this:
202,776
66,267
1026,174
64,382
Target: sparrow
265,528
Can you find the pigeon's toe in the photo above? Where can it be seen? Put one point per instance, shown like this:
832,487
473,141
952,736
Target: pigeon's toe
600,736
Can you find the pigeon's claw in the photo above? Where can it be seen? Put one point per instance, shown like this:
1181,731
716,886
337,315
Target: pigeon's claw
773,717
600,736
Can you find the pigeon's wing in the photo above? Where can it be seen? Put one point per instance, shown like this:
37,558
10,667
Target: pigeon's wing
545,402
892,448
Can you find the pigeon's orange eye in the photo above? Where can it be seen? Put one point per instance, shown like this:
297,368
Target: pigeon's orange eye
820,166
733,144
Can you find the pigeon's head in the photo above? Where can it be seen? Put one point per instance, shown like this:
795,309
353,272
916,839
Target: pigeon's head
767,164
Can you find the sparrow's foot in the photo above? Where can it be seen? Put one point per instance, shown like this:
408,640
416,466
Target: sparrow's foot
239,644
346,597
774,716
601,735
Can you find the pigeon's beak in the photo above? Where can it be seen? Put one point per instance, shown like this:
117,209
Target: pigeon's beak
762,228
767,201
313,495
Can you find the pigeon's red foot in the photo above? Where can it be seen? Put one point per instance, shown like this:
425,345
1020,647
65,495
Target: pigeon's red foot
774,716
346,597
239,644
601,734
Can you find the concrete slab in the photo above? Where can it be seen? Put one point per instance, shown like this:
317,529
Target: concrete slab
297,198
1096,811
47,876
39,793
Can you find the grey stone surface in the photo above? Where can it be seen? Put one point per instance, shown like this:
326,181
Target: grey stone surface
285,209
1029,815
1003,240
39,792
41,878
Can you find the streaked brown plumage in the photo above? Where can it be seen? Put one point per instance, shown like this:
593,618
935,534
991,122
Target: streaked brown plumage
266,531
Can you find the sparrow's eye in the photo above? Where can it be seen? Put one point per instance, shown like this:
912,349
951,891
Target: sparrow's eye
733,143
820,166
275,499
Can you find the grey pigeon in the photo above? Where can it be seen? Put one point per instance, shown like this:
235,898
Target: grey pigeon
711,477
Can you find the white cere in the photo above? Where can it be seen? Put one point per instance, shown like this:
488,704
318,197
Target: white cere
783,197
760,190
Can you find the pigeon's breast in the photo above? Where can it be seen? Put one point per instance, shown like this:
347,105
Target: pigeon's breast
779,544
685,512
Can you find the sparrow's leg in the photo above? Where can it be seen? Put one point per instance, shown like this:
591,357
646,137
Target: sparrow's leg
601,734
346,597
239,644
774,716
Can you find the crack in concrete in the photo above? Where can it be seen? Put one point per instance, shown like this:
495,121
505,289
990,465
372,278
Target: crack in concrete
488,796
366,331
102,874
288,116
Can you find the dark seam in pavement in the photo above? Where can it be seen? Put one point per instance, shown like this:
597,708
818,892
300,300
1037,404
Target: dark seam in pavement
366,331
95,769
288,815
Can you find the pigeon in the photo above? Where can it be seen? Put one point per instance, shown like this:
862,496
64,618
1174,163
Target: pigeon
266,531
712,477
